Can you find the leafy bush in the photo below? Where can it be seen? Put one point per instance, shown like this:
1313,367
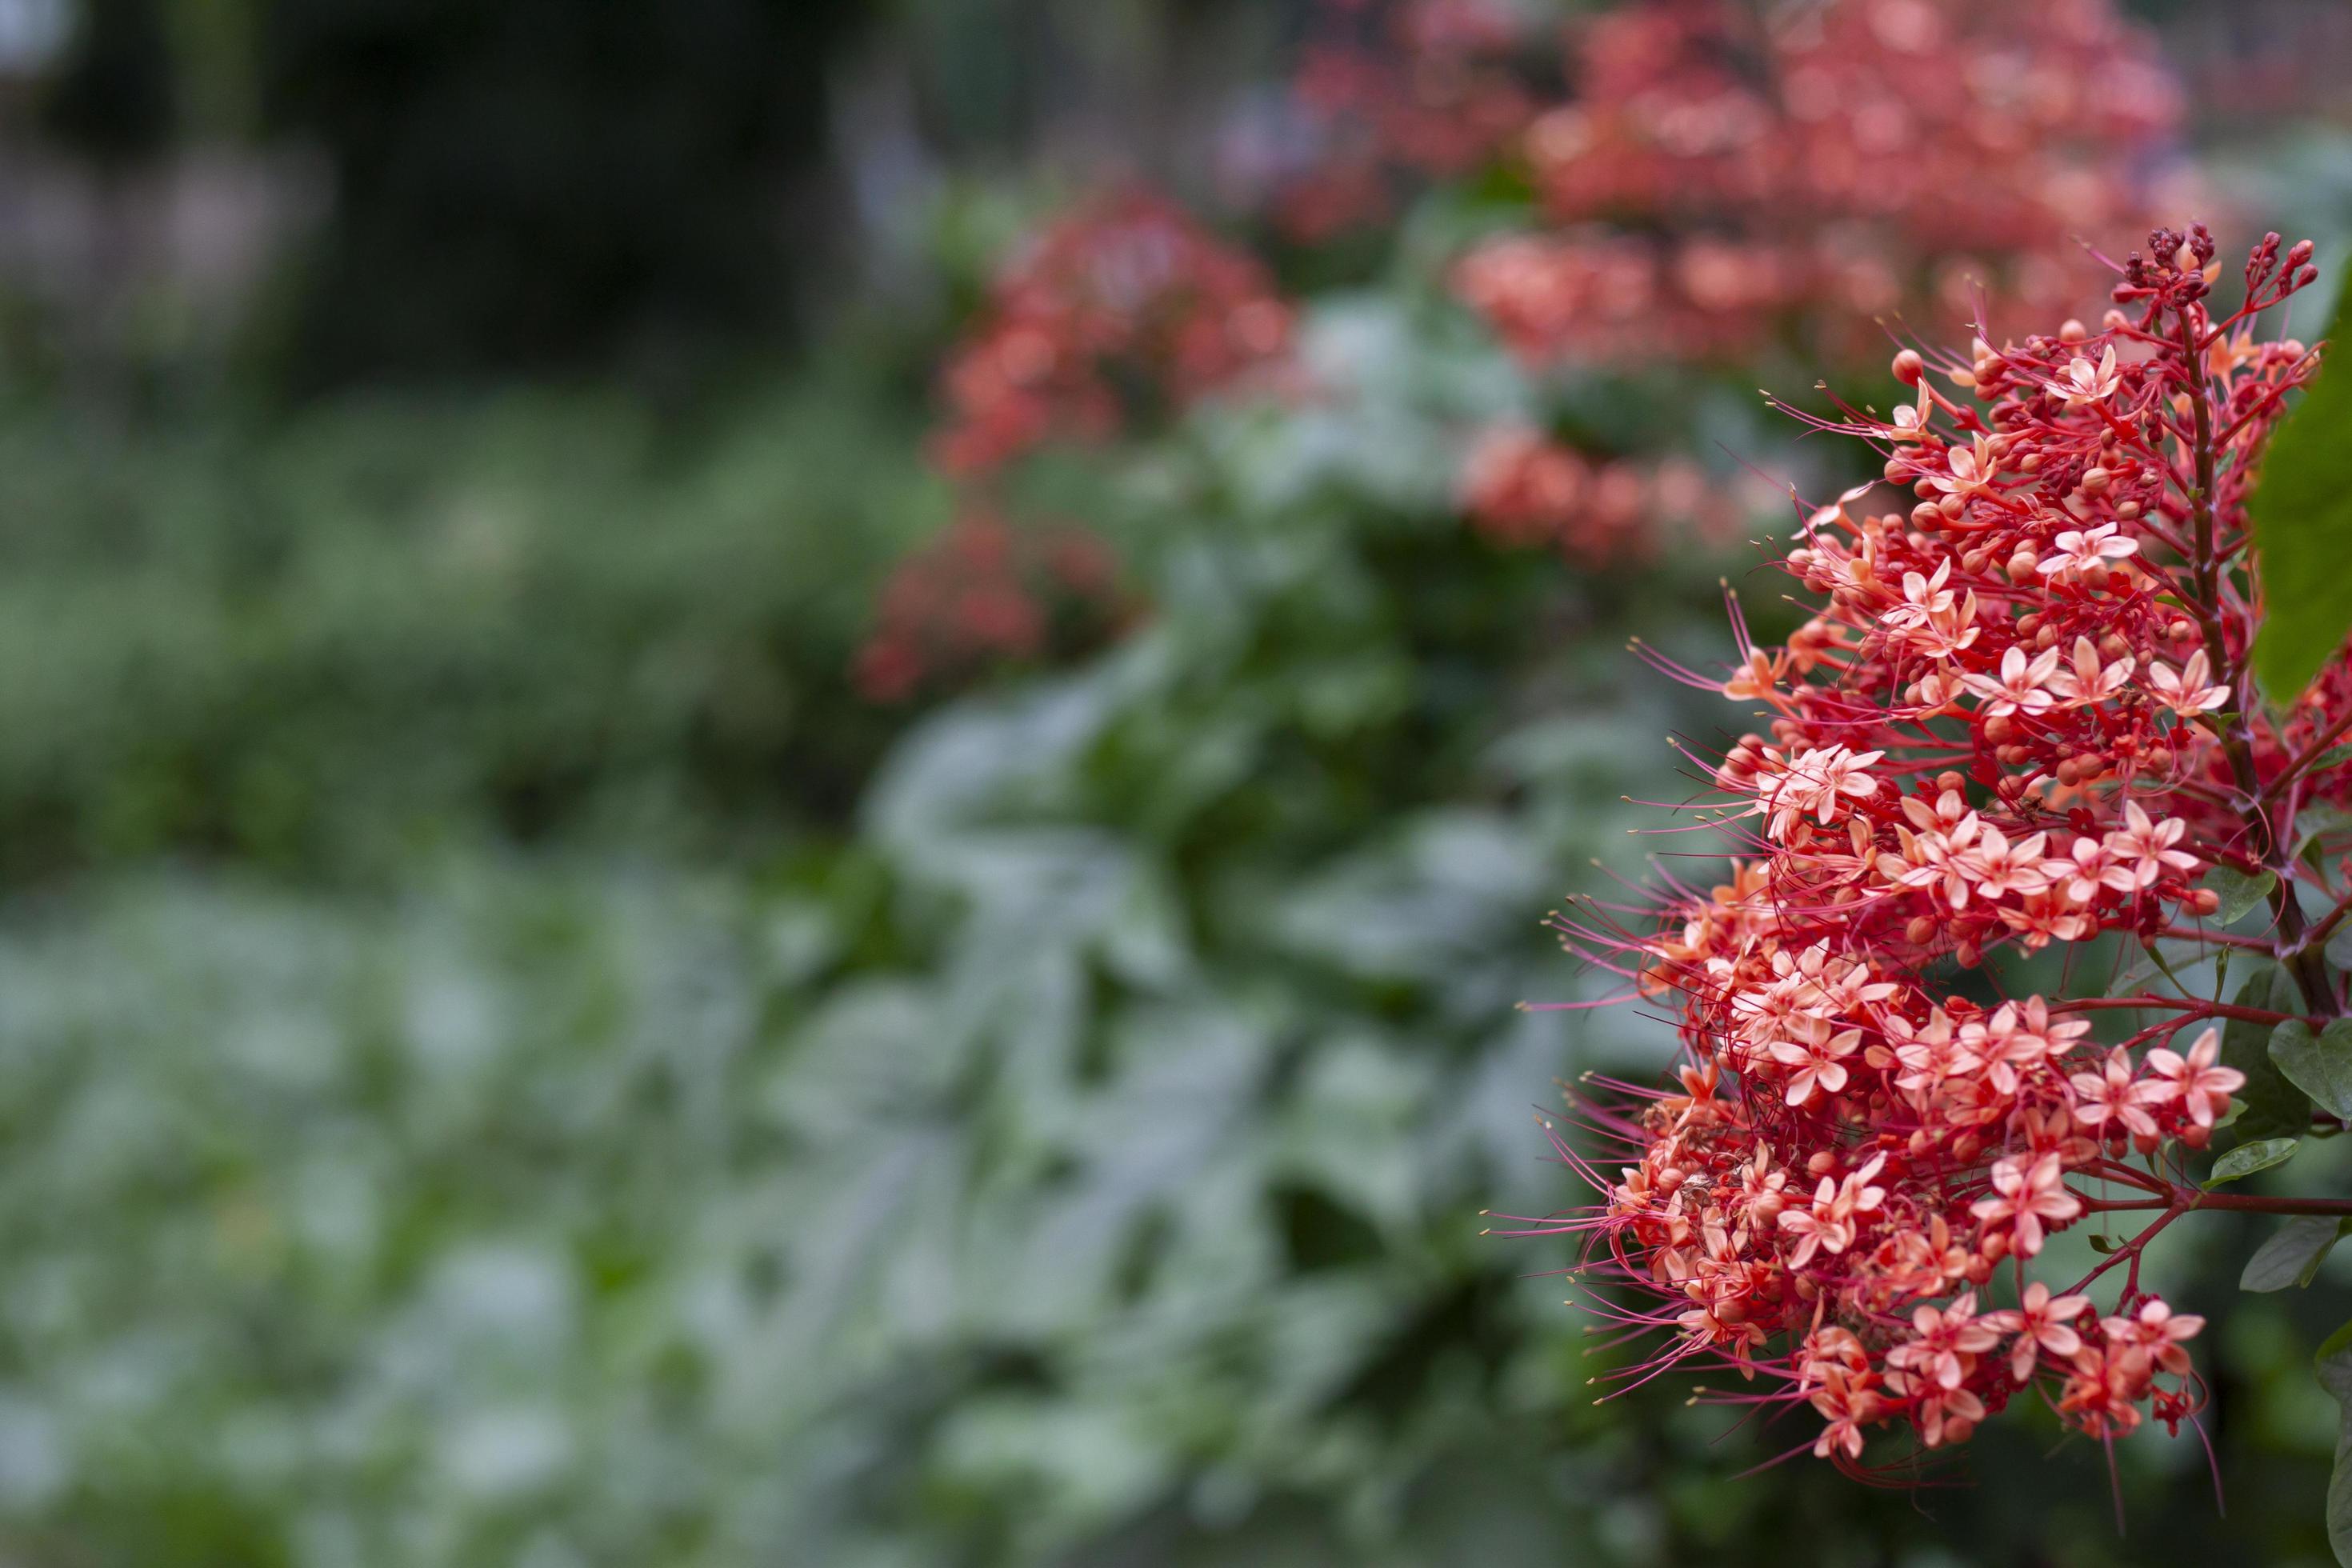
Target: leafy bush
319,645
1083,1167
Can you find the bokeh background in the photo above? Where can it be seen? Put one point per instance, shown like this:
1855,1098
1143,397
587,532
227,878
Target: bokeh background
616,951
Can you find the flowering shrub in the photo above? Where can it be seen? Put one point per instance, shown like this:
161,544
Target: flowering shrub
1719,180
1727,172
1432,88
1122,313
2022,716
984,594
1519,488
1123,310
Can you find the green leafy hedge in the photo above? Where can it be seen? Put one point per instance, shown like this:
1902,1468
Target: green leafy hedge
323,644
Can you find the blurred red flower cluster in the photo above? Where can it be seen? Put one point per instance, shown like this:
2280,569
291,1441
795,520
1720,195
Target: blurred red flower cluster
984,594
1727,172
1519,487
1429,89
1122,313
1123,310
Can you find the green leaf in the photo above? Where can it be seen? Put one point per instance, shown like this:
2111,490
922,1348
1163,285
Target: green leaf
2240,893
2247,1158
2274,1107
2293,1256
2301,512
2333,1365
2104,1245
2319,1065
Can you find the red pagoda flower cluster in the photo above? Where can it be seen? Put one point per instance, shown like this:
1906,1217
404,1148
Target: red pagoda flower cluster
1124,312
1392,93
985,593
1727,172
1125,308
2020,715
1519,487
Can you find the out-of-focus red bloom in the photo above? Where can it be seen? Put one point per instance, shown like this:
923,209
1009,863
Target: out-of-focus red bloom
1727,171
984,595
1424,87
1124,309
1519,487
2021,715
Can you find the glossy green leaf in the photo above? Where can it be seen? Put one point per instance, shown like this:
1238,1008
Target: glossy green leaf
2301,512
2319,1065
2247,1158
2240,893
2293,1256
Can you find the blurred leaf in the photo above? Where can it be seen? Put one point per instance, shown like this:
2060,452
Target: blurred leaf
2321,1065
2293,1253
2274,1107
2302,513
2238,893
2334,1363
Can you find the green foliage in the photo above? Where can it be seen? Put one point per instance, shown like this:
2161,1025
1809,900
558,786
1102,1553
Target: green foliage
2334,1361
2302,510
2319,1065
2248,1158
1081,1164
2293,1256
2273,1106
2240,893
318,645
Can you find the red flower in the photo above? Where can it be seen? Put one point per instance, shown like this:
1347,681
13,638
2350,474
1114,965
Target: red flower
1123,307
1975,746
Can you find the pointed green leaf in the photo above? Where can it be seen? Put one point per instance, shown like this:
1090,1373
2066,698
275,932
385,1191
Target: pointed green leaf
2302,511
2319,1065
2240,893
2292,1256
2247,1158
2333,1365
2275,1108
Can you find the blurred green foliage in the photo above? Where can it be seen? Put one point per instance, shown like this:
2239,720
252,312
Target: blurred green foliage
317,645
504,1061
1077,1161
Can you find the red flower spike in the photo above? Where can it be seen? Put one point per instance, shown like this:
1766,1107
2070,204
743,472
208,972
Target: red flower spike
2019,715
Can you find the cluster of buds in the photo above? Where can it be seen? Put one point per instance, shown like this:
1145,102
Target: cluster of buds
1124,309
2021,715
986,593
1520,487
1728,173
1392,93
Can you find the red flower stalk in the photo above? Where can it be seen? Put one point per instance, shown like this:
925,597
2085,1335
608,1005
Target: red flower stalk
983,594
2021,715
1730,171
1124,309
